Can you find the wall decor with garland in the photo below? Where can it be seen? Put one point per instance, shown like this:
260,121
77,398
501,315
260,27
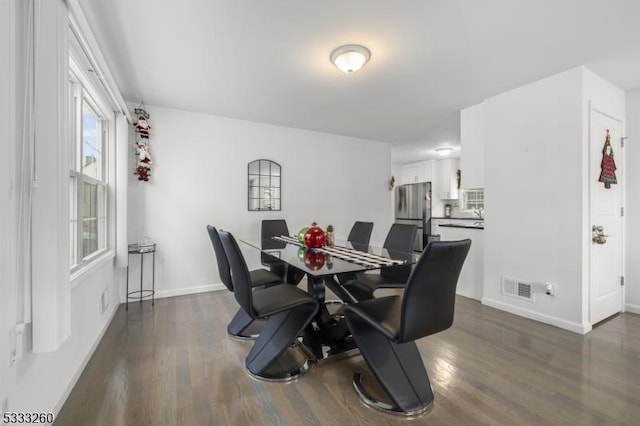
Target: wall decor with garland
143,129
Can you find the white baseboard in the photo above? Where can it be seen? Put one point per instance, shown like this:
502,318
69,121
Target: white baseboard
160,294
189,290
537,316
634,309
67,391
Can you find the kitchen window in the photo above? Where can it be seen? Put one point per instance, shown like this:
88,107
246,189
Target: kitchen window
472,199
88,183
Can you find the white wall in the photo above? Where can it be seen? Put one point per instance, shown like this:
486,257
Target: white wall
199,177
537,192
7,134
43,381
533,196
632,147
40,382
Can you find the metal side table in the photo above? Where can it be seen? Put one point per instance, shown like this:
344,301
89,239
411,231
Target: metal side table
142,250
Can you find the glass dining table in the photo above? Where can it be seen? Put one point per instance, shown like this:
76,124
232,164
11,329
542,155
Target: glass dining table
329,336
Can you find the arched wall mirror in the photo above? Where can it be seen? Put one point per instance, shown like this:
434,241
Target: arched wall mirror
264,178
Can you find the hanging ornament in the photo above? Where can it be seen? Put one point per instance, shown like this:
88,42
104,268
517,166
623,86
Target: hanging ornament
143,167
142,128
607,165
142,125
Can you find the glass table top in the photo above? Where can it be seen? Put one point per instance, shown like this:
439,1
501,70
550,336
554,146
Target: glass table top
343,257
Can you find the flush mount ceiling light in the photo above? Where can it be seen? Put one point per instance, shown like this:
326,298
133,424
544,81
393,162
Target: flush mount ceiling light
444,150
350,58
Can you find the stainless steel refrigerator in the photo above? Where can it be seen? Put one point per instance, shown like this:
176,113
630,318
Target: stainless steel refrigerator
413,206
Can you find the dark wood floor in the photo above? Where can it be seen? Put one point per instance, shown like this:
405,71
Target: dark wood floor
173,364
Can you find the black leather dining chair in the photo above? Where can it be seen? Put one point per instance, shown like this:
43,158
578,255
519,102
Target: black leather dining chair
385,329
360,233
359,237
241,322
399,242
270,228
287,309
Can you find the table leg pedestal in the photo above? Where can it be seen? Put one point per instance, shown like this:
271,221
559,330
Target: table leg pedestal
330,336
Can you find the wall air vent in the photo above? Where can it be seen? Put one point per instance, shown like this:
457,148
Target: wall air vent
517,288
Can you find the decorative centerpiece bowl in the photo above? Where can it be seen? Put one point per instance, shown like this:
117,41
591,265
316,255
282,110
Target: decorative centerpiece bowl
314,237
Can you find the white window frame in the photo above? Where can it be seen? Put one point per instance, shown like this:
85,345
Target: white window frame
464,200
82,90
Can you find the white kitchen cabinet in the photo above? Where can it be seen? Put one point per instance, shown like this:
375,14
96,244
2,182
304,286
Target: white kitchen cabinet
447,182
472,147
421,171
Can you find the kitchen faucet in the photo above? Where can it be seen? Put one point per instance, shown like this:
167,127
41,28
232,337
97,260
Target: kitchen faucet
478,212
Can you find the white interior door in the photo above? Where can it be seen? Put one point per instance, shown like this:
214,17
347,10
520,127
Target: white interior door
606,259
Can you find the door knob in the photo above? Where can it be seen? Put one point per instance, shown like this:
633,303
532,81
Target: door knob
597,235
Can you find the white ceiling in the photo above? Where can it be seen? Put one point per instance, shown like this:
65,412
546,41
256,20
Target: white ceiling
268,61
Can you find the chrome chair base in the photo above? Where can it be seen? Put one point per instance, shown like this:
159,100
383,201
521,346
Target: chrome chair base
382,406
243,338
251,332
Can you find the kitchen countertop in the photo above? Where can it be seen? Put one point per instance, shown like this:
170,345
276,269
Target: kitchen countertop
461,218
462,225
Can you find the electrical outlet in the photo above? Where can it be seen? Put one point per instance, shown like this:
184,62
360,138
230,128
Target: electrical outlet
545,287
550,289
16,354
104,299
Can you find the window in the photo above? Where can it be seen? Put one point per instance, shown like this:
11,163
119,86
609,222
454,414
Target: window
472,199
88,184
